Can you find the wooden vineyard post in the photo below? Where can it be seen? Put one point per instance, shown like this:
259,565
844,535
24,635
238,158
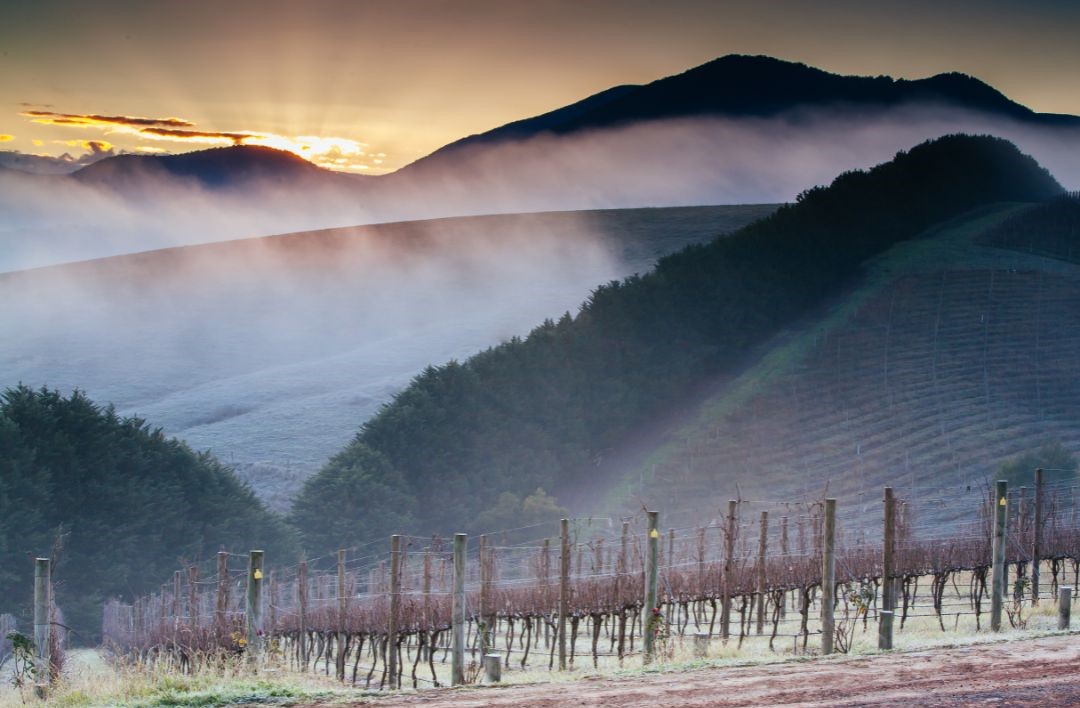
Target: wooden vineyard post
273,606
885,629
622,570
426,623
457,662
785,552
888,588
998,564
301,599
545,560
492,668
1064,606
652,558
395,609
193,595
564,589
177,605
729,567
339,663
828,577
762,549
253,605
701,558
484,630
42,626
1036,537
222,604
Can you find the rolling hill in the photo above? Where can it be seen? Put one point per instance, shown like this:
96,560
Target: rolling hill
272,351
957,352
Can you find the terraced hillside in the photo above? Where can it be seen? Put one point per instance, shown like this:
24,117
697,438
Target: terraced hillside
955,353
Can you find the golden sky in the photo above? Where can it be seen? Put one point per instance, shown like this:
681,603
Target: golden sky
370,85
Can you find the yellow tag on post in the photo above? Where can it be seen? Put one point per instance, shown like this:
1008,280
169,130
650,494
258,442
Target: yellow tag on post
258,574
1001,502
654,534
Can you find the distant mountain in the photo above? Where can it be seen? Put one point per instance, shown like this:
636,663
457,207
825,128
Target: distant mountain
26,163
739,86
217,167
733,86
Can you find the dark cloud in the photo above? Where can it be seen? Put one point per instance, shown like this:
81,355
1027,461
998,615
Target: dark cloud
182,134
94,119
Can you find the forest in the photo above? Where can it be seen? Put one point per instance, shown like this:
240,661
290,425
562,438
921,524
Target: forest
115,503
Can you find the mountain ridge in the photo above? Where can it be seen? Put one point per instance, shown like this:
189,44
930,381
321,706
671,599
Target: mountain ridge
731,86
788,86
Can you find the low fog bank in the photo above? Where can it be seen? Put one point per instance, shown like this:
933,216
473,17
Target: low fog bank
272,352
710,161
51,219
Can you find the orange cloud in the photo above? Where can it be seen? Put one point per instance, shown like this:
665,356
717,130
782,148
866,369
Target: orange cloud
196,135
90,145
97,120
335,153
5,137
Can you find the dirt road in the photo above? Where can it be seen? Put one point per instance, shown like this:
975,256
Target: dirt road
1034,672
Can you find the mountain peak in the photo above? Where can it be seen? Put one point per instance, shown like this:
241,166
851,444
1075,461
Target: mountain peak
213,167
756,86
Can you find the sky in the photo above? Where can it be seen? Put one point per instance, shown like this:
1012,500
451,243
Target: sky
368,86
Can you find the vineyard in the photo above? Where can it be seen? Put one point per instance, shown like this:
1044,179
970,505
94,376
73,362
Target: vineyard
957,353
754,577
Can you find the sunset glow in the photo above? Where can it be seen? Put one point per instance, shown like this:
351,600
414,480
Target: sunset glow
369,87
333,153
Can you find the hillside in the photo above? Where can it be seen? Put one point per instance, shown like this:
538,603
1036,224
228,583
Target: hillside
114,502
240,166
957,352
546,410
272,351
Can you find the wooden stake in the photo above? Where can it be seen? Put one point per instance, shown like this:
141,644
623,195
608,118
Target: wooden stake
342,611
395,609
729,568
253,606
1036,537
222,606
888,588
998,563
763,541
784,553
652,558
485,631
828,577
885,630
193,595
426,590
564,589
457,665
302,598
492,668
177,605
1064,606
42,626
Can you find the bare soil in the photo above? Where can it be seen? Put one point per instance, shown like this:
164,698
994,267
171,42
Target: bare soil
1034,672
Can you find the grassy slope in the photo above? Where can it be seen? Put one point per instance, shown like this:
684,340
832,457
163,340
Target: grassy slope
947,247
